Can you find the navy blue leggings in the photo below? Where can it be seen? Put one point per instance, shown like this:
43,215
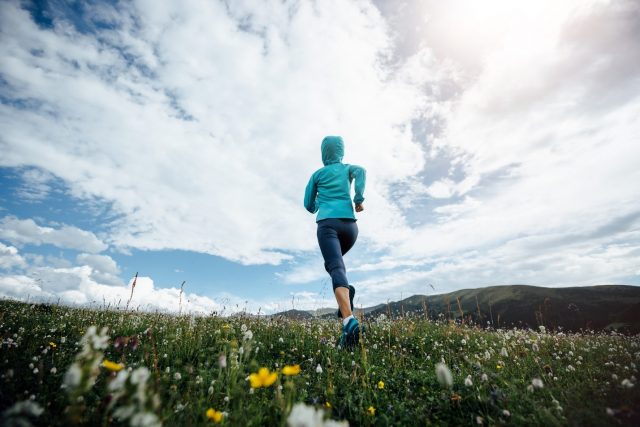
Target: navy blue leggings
335,237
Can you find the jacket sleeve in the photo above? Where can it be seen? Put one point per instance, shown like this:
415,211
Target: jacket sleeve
310,195
359,175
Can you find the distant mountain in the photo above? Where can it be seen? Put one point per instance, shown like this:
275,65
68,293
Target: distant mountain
294,314
569,309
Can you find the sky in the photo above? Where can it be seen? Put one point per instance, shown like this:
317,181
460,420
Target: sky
175,140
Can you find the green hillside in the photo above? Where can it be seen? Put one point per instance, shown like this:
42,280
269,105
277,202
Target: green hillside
574,308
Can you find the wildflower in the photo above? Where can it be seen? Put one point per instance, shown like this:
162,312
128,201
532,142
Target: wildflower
444,375
226,326
537,383
504,352
177,376
484,378
479,420
248,336
304,415
506,413
371,410
112,366
626,383
327,404
213,415
222,361
263,378
455,397
542,329
380,385
291,370
467,381
52,345
318,369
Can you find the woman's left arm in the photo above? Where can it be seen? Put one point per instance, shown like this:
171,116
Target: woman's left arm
310,195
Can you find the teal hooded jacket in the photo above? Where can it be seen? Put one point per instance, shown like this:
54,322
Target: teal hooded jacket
329,189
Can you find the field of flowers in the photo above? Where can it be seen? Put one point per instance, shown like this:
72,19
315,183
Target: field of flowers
61,366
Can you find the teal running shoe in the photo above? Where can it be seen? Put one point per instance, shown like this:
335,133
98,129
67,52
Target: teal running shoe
350,334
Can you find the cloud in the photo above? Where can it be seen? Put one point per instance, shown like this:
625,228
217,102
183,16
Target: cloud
36,185
26,231
104,268
191,120
9,257
75,286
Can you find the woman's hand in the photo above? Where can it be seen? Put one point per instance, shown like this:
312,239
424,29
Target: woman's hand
359,207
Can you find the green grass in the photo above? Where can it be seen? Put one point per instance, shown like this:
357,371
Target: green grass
582,373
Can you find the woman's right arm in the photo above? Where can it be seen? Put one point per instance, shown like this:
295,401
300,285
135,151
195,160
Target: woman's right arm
310,195
359,175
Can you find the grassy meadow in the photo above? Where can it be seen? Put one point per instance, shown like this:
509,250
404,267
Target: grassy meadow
63,366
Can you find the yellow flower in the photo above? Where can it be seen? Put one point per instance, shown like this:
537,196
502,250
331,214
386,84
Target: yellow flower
263,378
112,366
380,385
371,410
52,345
291,370
327,404
215,416
498,366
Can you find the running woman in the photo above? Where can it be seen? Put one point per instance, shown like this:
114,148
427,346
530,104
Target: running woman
329,193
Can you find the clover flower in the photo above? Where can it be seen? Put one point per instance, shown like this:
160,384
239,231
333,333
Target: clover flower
444,375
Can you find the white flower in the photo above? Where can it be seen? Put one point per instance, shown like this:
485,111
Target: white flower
537,383
444,375
484,378
307,416
243,328
145,419
467,381
248,335
542,329
463,341
506,413
177,376
626,383
140,375
504,352
73,376
319,369
119,380
222,361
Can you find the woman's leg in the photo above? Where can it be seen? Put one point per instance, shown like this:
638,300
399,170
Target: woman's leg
330,247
